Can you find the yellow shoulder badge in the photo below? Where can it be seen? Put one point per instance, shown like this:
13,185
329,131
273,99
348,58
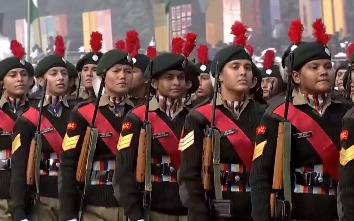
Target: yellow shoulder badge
16,143
124,141
70,142
258,150
186,141
345,156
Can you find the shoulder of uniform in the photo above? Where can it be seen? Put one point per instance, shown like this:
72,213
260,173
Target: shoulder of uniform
274,103
349,114
82,103
202,102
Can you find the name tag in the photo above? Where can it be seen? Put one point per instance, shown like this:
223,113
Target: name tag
107,134
228,132
5,133
159,135
46,130
303,135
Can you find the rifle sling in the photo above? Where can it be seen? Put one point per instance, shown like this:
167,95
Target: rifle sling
319,139
52,136
239,140
7,123
102,125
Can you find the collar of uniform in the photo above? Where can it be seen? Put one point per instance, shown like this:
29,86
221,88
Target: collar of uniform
104,101
84,94
4,100
299,99
220,100
64,101
154,104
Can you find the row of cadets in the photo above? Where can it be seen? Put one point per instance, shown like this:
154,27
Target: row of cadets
51,73
237,115
166,113
115,73
16,77
314,115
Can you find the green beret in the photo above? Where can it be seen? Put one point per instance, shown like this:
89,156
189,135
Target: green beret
10,63
274,71
141,62
256,72
286,53
309,51
29,68
47,63
71,70
225,55
111,58
89,58
192,73
165,62
204,68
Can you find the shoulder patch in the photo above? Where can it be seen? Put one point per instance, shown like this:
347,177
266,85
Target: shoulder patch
126,126
71,126
261,130
258,150
124,141
70,142
345,156
16,143
186,141
344,135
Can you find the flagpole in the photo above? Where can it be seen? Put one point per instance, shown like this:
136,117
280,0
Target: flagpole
28,48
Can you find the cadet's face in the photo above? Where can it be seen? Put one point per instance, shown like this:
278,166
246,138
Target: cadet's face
205,87
339,79
57,81
88,70
16,82
315,77
138,79
171,84
269,85
237,76
119,80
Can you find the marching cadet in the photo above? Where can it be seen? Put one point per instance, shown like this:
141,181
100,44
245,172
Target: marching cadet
307,149
205,89
346,181
15,77
192,84
166,113
87,66
272,81
236,116
72,88
47,120
98,202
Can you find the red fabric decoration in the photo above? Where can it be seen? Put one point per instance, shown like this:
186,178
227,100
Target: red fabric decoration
120,44
17,49
268,59
250,49
239,30
295,31
59,46
319,32
177,45
133,42
151,52
189,44
96,41
350,50
202,54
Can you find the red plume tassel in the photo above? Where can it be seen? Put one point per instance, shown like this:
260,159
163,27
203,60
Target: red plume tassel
59,46
295,31
350,50
96,41
189,44
269,58
120,44
132,40
17,49
319,32
177,45
202,54
250,49
151,52
239,30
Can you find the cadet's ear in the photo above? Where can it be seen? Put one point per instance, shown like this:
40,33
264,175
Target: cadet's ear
254,82
188,84
40,81
296,77
154,83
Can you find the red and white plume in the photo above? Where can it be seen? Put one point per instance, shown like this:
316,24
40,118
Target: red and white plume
268,59
189,44
202,53
250,49
239,30
96,41
132,43
295,31
319,32
151,52
17,49
120,44
59,46
177,45
350,50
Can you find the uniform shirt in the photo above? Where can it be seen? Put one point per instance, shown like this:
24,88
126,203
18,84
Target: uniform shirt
96,195
24,132
84,95
303,155
247,118
165,196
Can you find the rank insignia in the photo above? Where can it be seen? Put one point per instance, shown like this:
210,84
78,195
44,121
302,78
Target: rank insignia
16,143
70,142
124,141
186,141
258,150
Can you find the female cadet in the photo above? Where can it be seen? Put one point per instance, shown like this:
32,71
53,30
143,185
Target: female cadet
51,71
236,117
315,116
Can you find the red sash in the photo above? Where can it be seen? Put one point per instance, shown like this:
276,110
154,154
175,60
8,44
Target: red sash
7,123
53,137
170,142
319,140
102,125
243,146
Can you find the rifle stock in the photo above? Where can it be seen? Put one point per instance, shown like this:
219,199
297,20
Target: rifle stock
81,166
141,159
30,163
207,162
